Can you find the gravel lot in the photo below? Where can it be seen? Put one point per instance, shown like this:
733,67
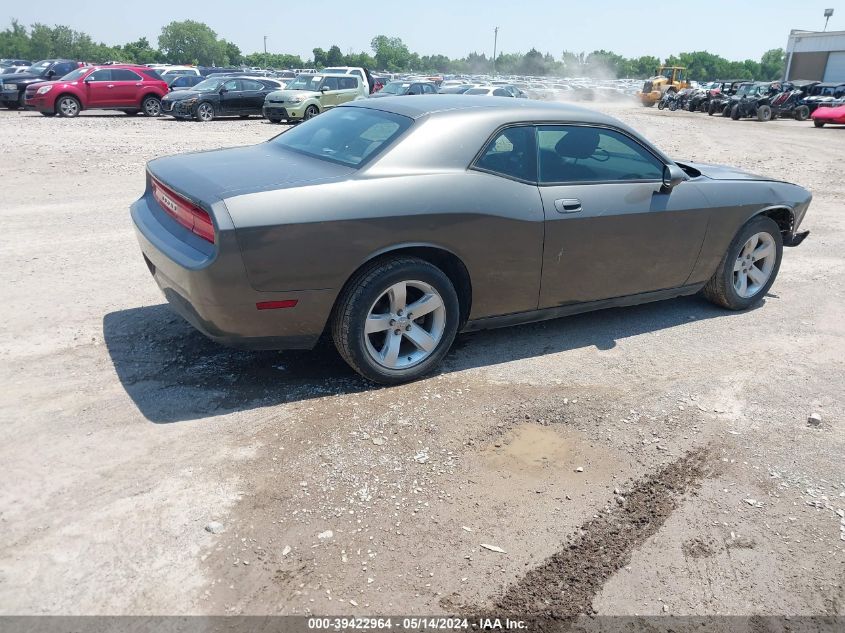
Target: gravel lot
644,460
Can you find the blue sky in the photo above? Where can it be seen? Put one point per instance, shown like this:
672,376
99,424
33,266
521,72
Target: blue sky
737,29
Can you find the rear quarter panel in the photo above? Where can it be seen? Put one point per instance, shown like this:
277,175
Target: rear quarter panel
316,237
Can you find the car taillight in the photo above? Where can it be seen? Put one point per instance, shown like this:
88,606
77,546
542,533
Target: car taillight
188,215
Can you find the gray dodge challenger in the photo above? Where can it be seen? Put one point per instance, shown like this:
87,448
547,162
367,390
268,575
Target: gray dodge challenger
395,223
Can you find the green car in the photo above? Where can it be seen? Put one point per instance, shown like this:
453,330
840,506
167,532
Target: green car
309,95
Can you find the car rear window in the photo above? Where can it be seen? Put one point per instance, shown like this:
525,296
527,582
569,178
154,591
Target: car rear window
348,136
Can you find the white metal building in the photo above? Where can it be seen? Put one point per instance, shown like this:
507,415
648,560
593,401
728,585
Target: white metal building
816,55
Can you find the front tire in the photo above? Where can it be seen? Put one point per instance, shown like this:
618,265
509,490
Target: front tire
818,123
310,112
749,267
205,112
802,113
764,114
735,113
68,107
396,320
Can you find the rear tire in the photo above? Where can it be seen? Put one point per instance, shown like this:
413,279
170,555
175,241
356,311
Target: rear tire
374,328
726,111
722,287
151,106
802,113
735,113
818,123
764,114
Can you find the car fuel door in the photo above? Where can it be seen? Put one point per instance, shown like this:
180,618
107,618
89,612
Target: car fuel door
612,228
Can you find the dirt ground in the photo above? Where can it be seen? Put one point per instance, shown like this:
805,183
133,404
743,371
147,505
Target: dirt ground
645,460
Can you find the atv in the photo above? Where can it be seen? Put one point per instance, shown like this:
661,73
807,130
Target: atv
700,99
823,93
789,103
720,102
755,102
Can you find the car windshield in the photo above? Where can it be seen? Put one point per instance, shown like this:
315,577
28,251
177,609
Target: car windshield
745,89
209,85
305,82
76,74
40,67
348,136
335,71
395,88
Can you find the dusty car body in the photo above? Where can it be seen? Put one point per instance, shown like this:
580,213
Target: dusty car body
268,246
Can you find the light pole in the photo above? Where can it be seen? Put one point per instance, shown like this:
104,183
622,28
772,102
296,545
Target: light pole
495,41
827,14
265,52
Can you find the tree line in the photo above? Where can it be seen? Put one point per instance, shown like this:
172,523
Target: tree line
191,42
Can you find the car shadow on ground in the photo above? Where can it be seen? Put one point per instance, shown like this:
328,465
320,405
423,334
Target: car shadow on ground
173,373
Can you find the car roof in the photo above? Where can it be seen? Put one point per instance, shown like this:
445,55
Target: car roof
508,107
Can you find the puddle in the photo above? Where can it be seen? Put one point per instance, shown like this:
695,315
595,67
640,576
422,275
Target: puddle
537,452
532,447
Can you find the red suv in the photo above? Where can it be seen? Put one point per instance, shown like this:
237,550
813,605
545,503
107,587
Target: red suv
132,89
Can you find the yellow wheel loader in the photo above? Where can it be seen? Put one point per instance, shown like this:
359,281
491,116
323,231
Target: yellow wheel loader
667,79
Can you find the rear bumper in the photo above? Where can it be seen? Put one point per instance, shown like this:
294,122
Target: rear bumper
212,292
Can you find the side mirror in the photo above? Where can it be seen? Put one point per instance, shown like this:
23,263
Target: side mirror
223,90
672,176
325,89
51,73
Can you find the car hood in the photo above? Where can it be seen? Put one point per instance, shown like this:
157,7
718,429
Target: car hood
219,174
17,77
724,172
185,93
284,95
836,112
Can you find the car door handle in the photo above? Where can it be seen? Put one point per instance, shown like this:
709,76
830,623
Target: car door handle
110,86
138,85
568,205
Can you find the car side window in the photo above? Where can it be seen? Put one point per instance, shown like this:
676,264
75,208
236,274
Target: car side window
104,74
332,83
232,85
428,89
63,69
123,74
572,153
500,92
415,89
348,83
251,85
512,153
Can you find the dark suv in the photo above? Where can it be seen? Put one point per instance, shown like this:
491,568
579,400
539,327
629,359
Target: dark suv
13,86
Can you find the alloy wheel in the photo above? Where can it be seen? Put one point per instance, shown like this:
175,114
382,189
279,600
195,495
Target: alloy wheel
205,112
69,107
754,265
152,107
405,325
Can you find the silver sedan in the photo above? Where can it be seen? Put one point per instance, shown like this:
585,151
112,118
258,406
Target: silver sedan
392,224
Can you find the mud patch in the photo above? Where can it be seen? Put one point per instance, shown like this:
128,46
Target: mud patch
565,584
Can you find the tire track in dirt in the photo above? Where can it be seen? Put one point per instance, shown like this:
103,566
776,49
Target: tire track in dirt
565,584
